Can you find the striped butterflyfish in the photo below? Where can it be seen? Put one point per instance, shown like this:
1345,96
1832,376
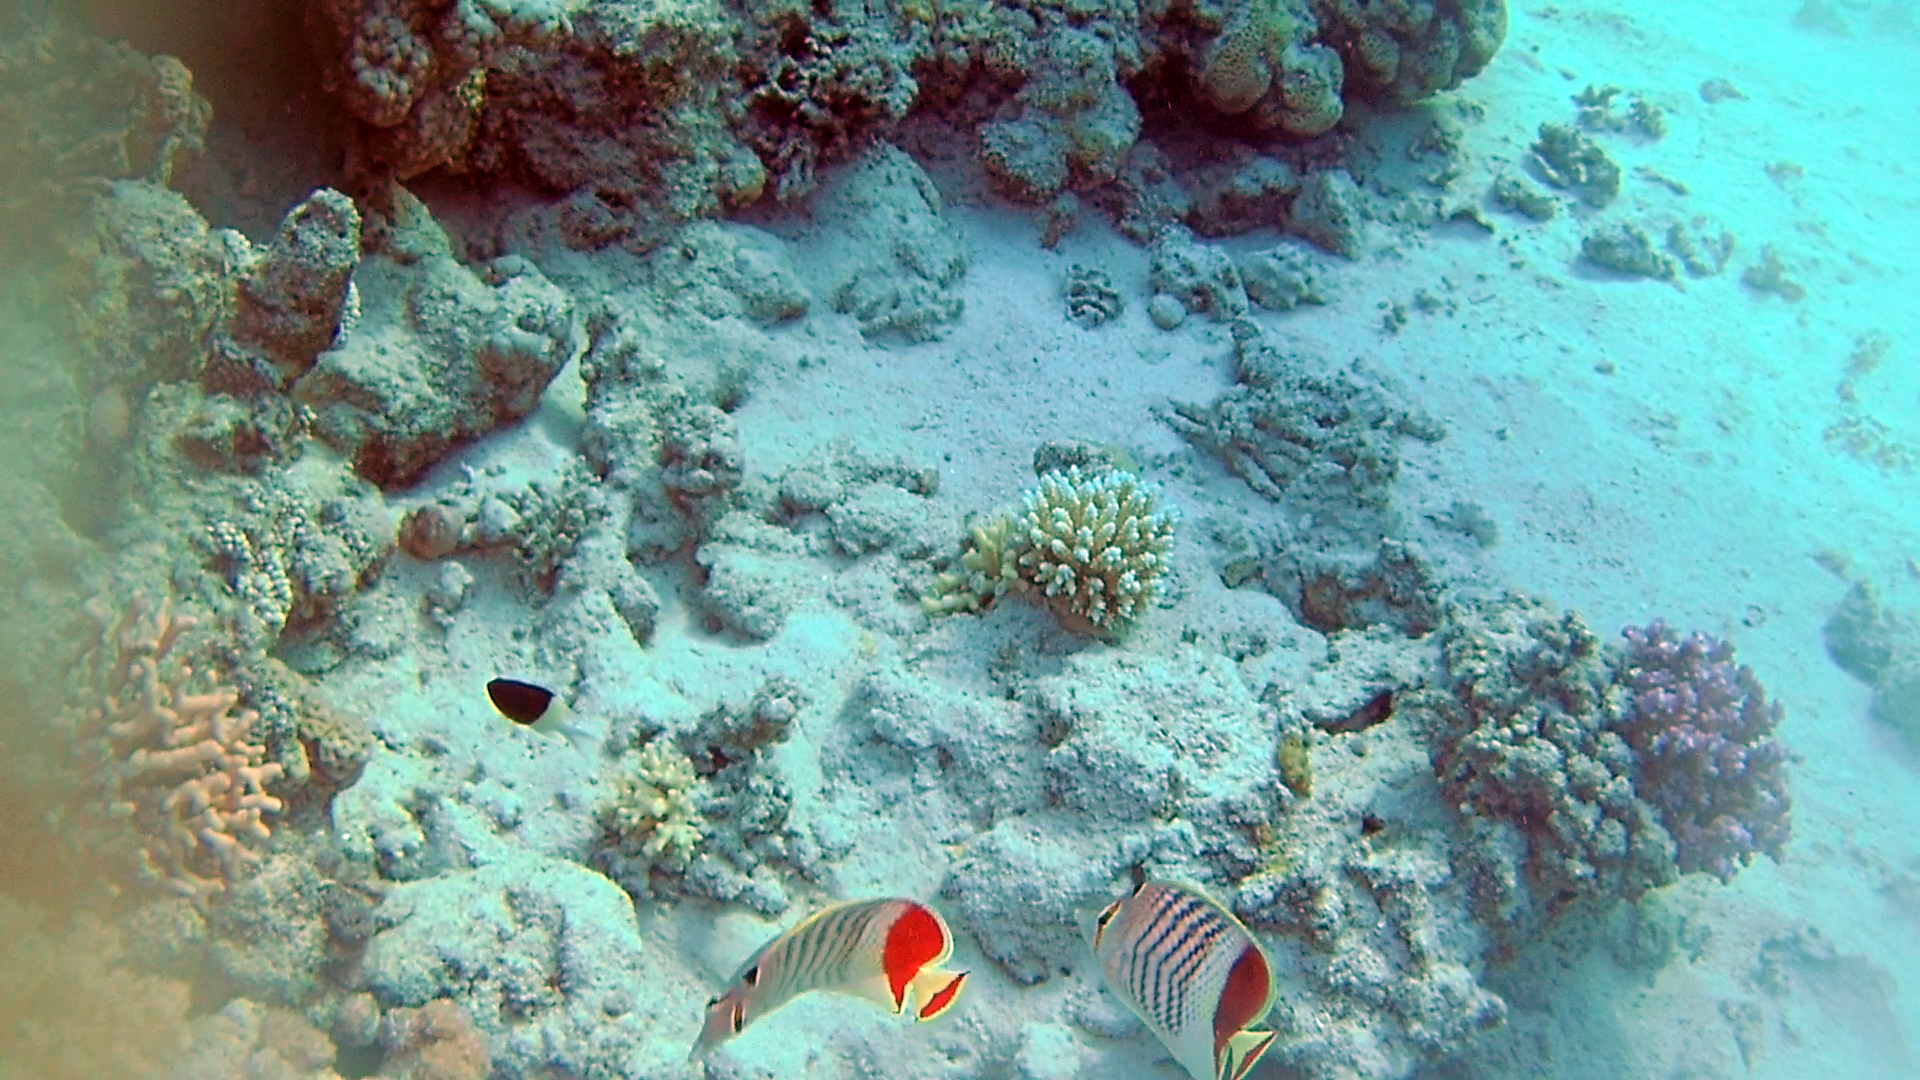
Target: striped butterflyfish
887,951
1191,971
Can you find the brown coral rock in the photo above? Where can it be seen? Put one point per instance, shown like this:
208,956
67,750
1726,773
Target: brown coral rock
436,1041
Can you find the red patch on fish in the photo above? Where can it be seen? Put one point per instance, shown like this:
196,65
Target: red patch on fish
915,940
943,998
1242,1000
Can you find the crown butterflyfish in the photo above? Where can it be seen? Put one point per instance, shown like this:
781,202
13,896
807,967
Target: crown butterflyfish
886,951
1192,972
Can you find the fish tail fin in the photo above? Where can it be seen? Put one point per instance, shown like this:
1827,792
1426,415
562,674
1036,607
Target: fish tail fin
936,991
1243,1052
580,738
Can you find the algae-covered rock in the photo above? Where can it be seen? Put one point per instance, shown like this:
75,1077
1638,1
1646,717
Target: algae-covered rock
442,355
888,256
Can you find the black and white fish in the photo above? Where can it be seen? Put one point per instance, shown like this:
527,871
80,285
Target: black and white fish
538,709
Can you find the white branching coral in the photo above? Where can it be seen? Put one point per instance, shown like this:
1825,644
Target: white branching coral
654,814
1095,546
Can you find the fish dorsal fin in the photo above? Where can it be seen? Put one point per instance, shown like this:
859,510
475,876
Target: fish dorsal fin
1245,997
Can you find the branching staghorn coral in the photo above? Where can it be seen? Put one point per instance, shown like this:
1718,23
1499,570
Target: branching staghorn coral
179,765
1094,546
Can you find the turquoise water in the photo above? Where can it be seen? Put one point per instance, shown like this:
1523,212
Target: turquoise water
1409,504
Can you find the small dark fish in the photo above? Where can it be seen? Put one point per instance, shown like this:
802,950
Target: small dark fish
538,709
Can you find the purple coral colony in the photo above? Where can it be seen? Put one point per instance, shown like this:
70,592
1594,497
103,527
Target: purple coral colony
1703,729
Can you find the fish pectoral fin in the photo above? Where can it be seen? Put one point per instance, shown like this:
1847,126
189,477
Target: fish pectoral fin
936,991
1243,1052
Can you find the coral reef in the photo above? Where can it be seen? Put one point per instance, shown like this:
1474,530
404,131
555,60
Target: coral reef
1202,277
885,202
1095,546
1525,747
1627,249
436,1041
543,954
700,455
245,1038
413,74
677,110
1568,160
1280,279
1703,730
1070,123
1091,298
750,847
1294,435
814,83
1881,648
1264,61
77,108
279,554
1325,443
1402,53
1587,773
176,765
291,300
1286,64
1330,210
628,112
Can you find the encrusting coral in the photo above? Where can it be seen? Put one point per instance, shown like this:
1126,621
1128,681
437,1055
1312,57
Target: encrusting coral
1094,546
179,765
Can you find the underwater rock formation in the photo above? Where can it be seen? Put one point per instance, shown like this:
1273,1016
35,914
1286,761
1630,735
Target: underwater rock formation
442,354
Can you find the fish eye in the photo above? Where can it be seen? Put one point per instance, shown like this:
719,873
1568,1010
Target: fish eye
739,1019
1107,915
751,976
712,1001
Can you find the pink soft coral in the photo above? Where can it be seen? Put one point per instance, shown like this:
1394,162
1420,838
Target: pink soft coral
179,764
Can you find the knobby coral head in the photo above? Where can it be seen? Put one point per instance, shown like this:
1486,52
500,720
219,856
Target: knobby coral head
1702,728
